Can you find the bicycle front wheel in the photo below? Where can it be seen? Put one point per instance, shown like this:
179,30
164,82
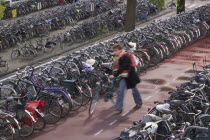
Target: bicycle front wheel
113,97
15,54
27,123
4,66
93,104
6,131
77,99
86,92
41,123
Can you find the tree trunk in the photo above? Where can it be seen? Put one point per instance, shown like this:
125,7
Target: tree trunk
180,6
130,15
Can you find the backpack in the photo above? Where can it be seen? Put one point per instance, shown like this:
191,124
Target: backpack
134,60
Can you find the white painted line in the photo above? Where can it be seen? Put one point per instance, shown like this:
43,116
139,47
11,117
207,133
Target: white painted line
98,132
182,73
125,113
113,122
148,98
178,76
167,84
157,91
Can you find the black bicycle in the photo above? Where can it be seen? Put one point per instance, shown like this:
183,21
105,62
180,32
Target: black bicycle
4,65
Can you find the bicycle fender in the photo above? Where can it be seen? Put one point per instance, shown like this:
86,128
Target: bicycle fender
29,113
202,115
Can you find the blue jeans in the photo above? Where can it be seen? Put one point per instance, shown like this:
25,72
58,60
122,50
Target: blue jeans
121,92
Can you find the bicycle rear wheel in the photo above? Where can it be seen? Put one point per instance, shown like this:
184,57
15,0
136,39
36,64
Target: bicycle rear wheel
52,109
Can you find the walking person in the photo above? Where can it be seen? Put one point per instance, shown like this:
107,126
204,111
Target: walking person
122,67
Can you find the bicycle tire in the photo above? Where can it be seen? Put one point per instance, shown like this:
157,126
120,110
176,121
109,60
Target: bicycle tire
87,93
15,54
115,87
51,107
93,104
77,99
49,48
113,98
205,120
27,123
65,104
41,123
6,131
6,67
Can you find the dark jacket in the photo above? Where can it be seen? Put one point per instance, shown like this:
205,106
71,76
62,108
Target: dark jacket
125,64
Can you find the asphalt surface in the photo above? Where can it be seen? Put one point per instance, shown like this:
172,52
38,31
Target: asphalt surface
155,85
21,62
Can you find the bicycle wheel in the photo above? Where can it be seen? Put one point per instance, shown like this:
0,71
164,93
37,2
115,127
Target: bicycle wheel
95,83
205,121
30,54
27,123
65,104
113,93
77,98
86,92
15,126
49,47
5,66
93,104
40,49
6,131
40,123
52,109
113,97
15,54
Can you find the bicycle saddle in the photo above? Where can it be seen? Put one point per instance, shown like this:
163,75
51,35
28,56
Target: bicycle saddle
164,108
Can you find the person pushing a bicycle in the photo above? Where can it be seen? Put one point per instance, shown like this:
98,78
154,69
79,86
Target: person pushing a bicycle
123,68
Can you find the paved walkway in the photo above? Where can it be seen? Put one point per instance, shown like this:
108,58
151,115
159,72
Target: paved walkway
19,63
155,85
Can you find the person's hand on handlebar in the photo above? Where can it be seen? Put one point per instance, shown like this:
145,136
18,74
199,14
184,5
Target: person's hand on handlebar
111,76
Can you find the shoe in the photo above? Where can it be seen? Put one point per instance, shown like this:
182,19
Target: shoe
118,111
138,106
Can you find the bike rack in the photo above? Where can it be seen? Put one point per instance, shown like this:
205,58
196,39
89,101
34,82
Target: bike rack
204,62
194,67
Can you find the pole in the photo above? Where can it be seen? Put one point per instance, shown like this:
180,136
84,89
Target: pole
180,6
130,15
